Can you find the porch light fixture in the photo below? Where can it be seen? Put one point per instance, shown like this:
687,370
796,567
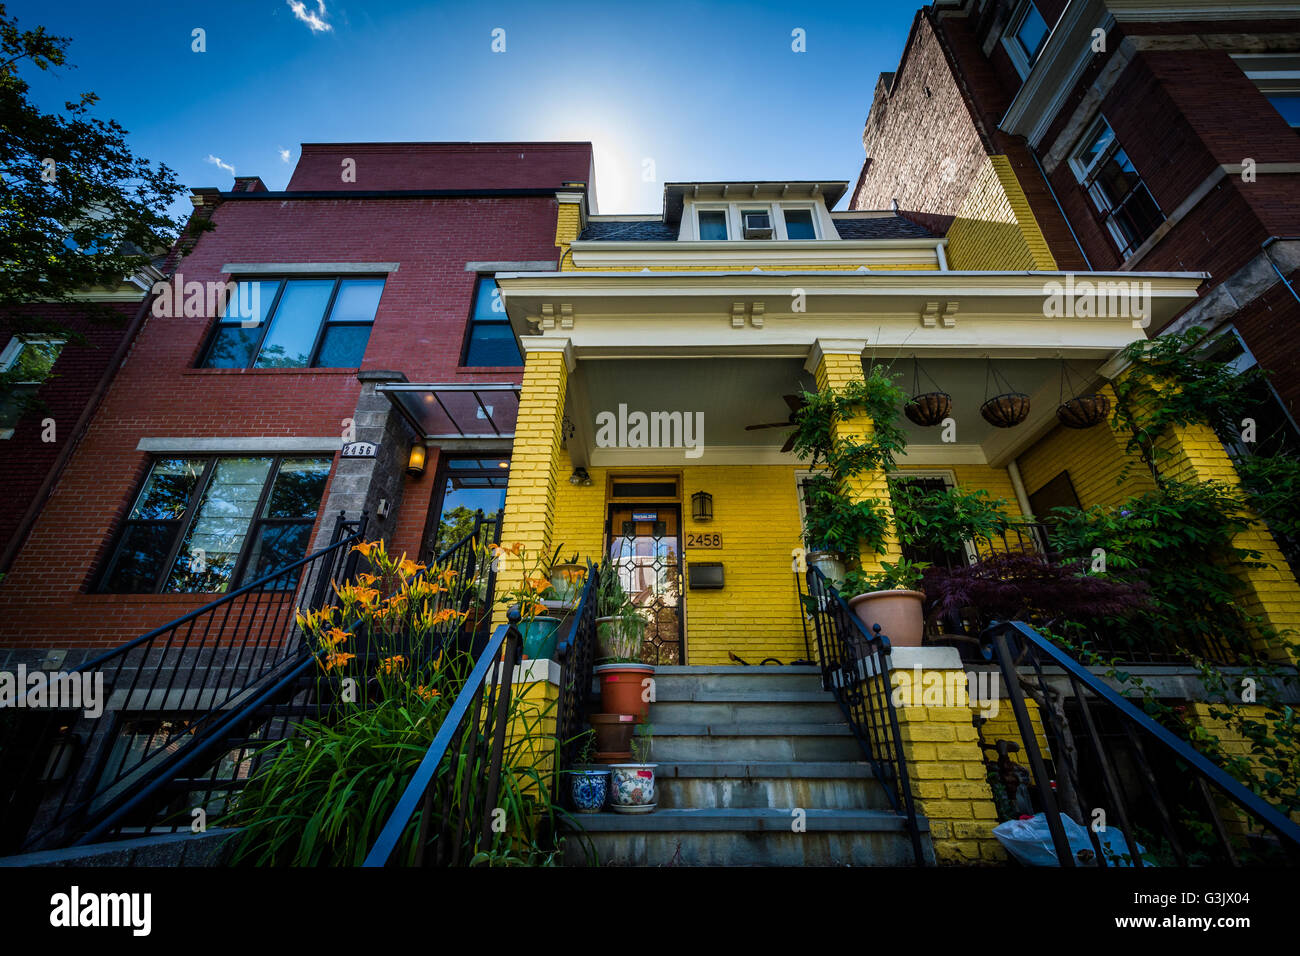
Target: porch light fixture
702,506
580,477
415,463
926,408
1006,410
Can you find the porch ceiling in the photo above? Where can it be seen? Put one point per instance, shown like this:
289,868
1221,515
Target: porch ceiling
731,393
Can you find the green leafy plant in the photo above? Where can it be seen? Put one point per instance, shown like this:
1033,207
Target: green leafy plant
945,520
641,744
904,575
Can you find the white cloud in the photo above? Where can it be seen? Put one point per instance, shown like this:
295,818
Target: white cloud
216,161
284,154
315,19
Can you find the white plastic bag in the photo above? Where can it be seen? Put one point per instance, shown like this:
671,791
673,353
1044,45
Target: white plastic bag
1030,842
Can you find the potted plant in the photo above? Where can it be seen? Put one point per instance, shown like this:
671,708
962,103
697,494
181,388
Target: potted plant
567,578
620,633
588,784
891,598
632,784
539,627
613,736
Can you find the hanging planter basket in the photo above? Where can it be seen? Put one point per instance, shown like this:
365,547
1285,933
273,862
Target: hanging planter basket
1007,410
1085,411
930,408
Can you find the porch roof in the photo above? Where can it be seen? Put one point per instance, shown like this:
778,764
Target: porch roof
478,415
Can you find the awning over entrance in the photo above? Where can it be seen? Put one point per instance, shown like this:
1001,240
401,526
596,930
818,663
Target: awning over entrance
479,415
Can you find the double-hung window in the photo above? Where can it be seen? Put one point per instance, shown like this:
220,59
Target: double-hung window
24,364
1109,177
213,524
490,340
1025,37
295,323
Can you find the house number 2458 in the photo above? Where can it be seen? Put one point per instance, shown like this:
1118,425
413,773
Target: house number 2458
713,540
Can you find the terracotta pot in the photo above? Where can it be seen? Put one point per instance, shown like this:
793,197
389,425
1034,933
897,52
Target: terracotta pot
632,787
622,688
900,615
613,736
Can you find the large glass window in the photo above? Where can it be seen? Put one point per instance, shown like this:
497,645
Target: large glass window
203,524
1110,178
799,224
24,365
295,323
468,485
490,341
713,223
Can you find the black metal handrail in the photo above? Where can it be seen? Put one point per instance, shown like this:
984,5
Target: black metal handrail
576,655
855,668
1091,774
455,787
212,664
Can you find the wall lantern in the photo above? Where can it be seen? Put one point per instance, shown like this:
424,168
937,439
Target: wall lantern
702,506
415,464
580,477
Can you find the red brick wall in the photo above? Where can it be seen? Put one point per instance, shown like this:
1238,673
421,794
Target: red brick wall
419,330
24,458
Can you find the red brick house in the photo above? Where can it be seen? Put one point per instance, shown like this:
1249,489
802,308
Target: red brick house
215,452
1142,136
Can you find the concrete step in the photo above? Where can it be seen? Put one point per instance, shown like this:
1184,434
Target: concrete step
803,708
775,741
752,681
822,785
742,837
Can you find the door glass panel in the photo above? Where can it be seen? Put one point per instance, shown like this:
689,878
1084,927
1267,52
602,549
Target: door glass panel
211,547
647,555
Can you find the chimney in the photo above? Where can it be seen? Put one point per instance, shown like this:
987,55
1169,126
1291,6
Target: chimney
249,184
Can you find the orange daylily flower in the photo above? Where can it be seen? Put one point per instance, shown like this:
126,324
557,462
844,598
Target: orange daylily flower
426,693
336,661
391,665
336,636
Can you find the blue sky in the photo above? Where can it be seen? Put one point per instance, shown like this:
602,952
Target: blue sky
704,90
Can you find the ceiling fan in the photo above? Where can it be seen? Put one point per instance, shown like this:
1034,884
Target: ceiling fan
796,404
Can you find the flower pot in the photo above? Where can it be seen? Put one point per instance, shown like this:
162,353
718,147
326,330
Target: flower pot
567,580
613,736
1084,411
829,564
632,787
899,613
928,409
622,688
1006,411
540,636
589,788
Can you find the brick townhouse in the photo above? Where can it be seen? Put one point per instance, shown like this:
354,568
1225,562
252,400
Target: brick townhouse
1134,136
214,455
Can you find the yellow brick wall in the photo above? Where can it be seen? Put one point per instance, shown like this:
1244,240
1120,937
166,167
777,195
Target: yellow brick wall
994,227
1233,743
1272,592
756,615
1095,459
535,465
948,776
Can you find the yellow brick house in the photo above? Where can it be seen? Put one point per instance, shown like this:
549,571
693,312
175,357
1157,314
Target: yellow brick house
664,339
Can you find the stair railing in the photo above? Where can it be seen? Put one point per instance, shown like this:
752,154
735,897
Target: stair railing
213,665
1107,764
576,654
855,668
455,787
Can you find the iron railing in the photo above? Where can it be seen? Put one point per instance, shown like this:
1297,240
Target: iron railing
455,787
855,667
576,655
190,685
1101,759
470,560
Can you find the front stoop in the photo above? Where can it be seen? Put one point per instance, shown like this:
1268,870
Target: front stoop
756,767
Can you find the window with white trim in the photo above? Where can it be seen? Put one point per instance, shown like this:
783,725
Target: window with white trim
25,363
756,221
1025,36
1109,177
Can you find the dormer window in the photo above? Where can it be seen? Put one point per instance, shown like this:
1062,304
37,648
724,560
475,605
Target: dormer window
713,223
1025,39
799,224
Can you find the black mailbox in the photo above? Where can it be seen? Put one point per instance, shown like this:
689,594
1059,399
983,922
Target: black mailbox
705,575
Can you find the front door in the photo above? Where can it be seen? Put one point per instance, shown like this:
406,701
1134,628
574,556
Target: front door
644,544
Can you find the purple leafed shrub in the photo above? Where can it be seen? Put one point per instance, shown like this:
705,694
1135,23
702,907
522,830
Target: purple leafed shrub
1028,587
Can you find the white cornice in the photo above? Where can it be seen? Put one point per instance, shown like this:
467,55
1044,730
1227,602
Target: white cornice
735,254
1188,11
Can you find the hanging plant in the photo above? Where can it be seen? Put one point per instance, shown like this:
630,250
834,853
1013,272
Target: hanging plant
1080,411
1007,409
926,408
